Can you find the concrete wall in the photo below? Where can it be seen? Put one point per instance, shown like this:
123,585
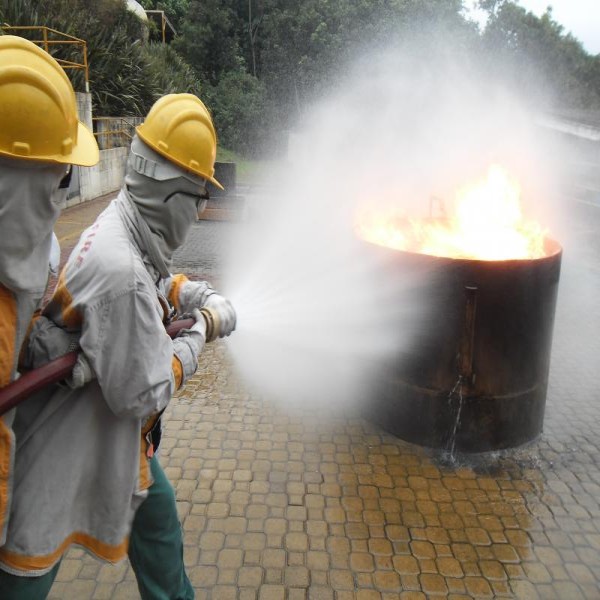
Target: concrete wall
105,177
84,108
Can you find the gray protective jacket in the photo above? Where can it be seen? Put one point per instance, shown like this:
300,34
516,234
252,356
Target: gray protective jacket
81,466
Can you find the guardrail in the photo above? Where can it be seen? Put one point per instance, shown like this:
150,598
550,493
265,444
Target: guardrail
52,40
167,31
114,132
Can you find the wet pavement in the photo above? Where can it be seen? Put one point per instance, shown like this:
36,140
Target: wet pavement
288,505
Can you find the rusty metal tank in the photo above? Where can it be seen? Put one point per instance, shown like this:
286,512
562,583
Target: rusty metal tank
475,374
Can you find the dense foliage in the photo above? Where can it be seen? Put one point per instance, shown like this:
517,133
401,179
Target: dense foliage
259,63
537,57
122,81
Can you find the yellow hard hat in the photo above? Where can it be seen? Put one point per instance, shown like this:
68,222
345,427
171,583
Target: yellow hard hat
38,112
180,128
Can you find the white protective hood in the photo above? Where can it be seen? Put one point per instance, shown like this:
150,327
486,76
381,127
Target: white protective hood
30,202
167,199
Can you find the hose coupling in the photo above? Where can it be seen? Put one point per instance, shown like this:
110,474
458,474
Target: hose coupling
213,324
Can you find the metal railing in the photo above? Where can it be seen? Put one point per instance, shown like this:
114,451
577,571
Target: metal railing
167,31
52,39
114,132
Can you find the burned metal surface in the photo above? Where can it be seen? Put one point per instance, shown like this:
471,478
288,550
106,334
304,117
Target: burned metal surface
475,375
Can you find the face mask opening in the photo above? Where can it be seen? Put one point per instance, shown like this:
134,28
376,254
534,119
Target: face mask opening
65,182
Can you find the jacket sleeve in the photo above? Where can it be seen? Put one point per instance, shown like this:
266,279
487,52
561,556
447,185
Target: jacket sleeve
127,345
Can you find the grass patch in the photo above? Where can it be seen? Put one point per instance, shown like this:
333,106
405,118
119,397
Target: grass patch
247,171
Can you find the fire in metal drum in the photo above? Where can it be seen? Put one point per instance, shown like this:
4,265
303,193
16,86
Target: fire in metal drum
474,376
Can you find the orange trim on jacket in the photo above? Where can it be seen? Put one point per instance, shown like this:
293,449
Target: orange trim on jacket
177,371
71,317
145,477
8,335
102,550
176,282
6,441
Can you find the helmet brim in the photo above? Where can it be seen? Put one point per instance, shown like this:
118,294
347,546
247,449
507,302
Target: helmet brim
215,183
86,152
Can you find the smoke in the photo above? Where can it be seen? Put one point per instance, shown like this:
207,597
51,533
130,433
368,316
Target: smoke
315,312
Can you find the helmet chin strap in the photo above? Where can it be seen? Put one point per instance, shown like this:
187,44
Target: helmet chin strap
143,160
146,166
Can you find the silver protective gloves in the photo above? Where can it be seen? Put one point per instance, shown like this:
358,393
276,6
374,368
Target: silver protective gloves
225,313
82,373
193,294
194,338
199,294
198,329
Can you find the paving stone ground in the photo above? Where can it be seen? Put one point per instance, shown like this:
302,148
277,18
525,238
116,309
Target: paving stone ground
284,505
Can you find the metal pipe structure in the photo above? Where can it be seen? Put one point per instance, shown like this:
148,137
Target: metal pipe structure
59,369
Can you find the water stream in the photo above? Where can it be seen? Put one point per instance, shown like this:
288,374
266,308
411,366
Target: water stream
455,391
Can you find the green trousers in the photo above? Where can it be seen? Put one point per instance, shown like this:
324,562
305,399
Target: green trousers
156,544
155,552
26,588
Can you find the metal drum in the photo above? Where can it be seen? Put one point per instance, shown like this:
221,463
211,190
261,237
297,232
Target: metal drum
475,375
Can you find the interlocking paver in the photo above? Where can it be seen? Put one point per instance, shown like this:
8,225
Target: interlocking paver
279,505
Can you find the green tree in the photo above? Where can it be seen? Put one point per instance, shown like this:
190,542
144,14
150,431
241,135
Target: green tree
535,55
209,38
126,77
264,61
238,106
305,45
170,73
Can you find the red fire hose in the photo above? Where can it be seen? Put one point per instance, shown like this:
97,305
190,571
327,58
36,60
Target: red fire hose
59,369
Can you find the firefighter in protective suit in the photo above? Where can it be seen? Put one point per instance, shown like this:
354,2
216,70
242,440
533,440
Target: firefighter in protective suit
85,464
40,138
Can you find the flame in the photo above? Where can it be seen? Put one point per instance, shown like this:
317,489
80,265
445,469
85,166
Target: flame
487,224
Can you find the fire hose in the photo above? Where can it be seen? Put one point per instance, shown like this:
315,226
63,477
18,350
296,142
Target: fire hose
59,369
